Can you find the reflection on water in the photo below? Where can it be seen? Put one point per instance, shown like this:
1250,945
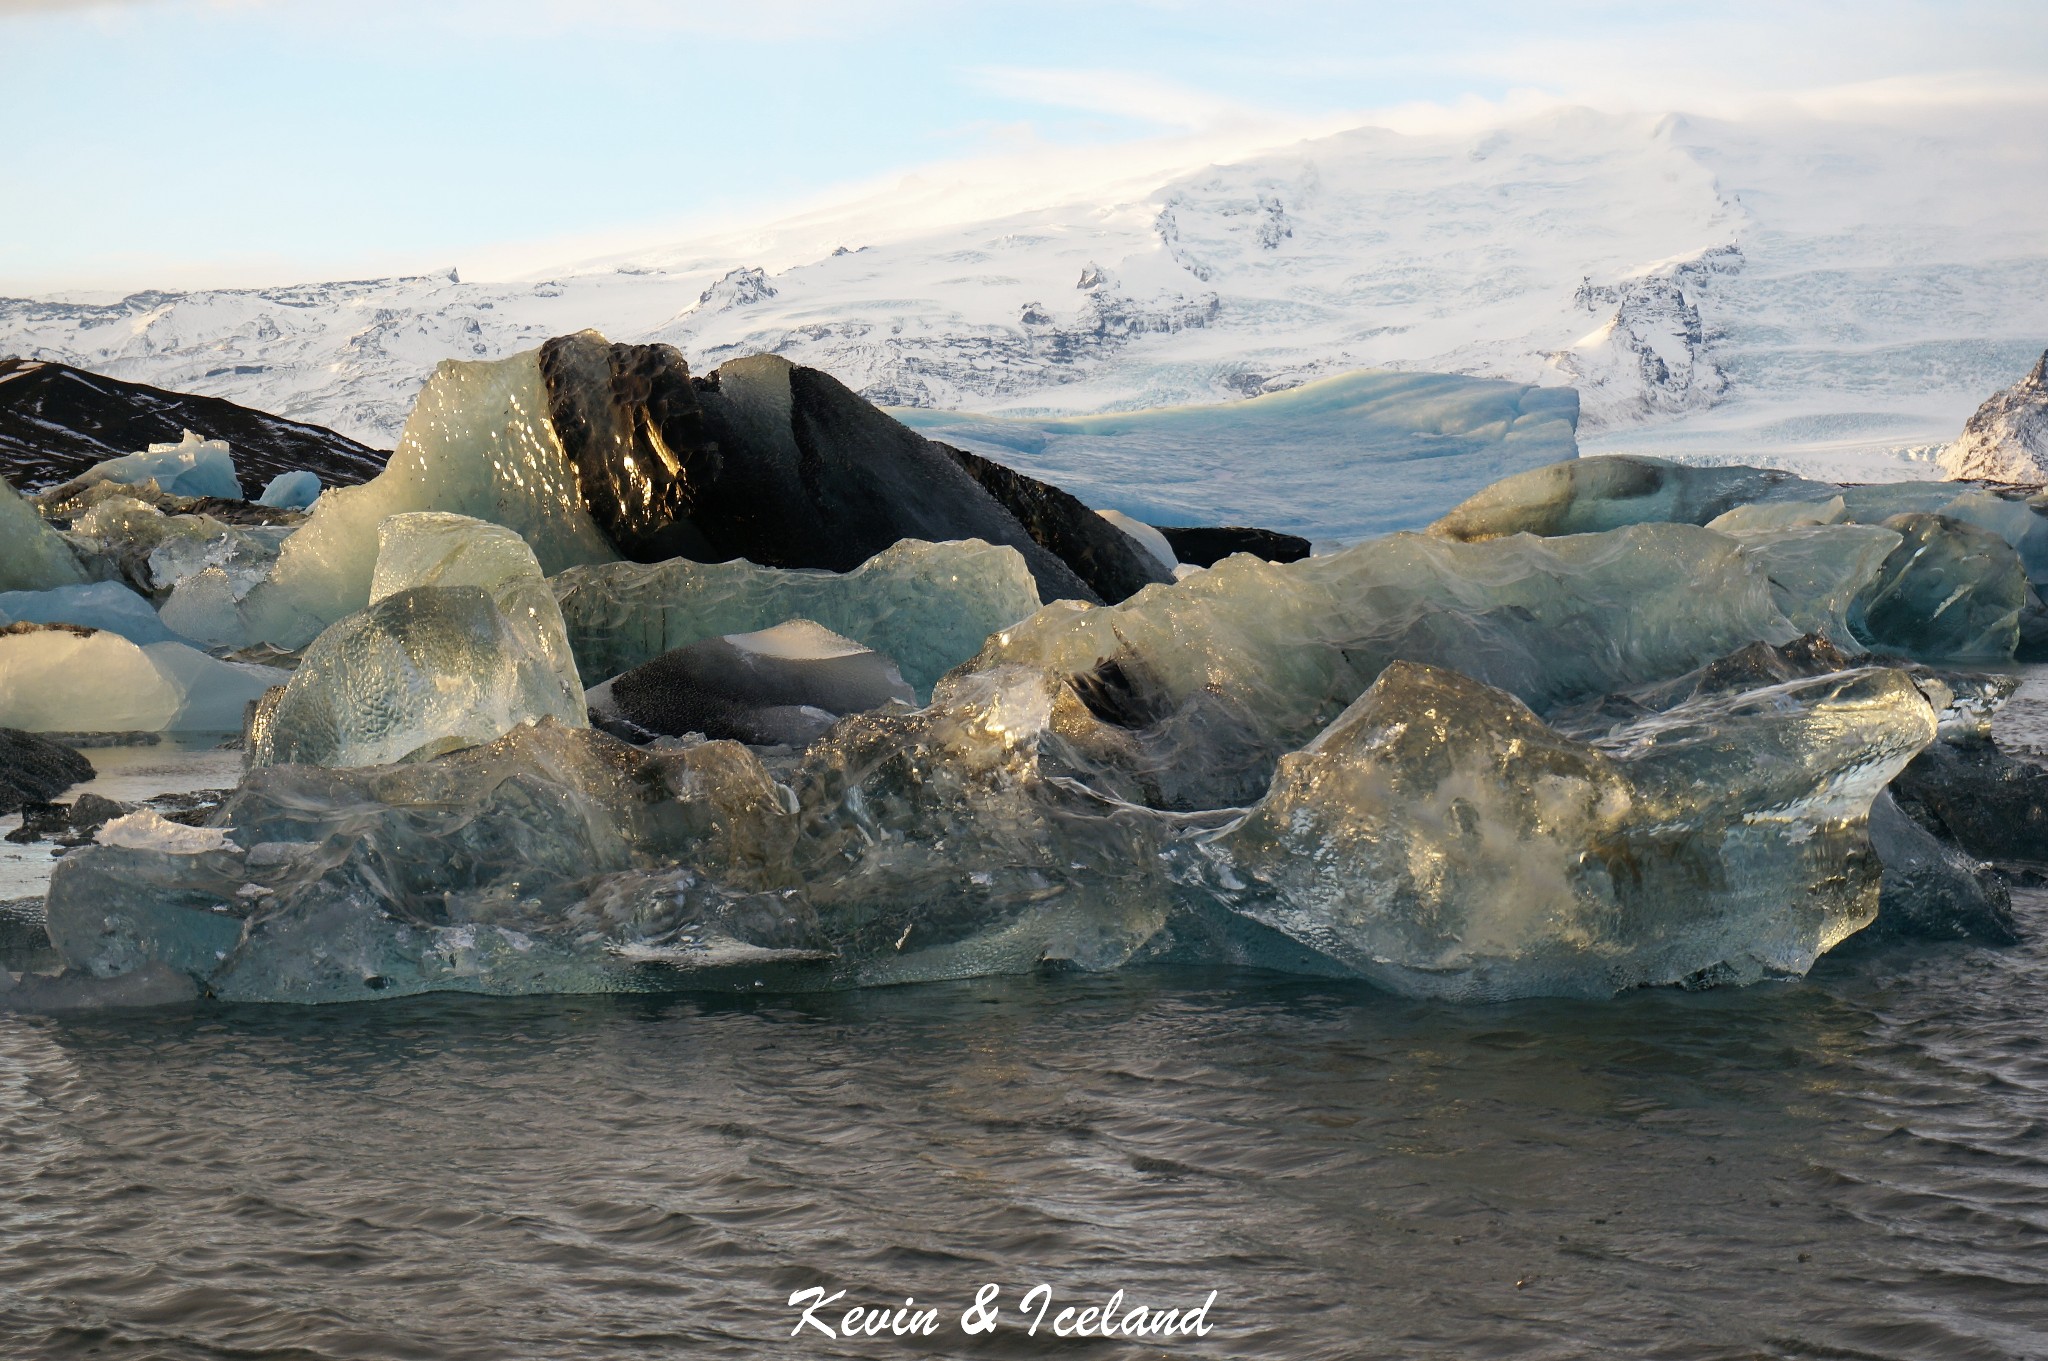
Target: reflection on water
1854,1166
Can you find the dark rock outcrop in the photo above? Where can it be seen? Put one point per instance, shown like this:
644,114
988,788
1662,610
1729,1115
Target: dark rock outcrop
57,421
1206,545
71,824
36,770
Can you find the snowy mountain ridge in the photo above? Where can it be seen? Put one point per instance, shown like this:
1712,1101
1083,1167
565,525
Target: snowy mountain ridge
1711,287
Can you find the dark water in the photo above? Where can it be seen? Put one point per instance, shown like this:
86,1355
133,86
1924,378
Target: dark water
1853,1166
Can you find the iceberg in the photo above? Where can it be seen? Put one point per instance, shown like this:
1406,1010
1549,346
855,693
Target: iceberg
156,552
105,605
33,556
1200,687
65,678
1823,575
194,466
423,670
785,466
1099,785
1466,765
780,686
519,866
1949,592
436,548
926,606
478,443
296,490
1607,491
1145,536
1440,840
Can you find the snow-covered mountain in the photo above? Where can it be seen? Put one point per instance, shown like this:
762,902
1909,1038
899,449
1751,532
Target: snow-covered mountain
1790,288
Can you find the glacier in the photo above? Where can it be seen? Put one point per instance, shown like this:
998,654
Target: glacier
1835,291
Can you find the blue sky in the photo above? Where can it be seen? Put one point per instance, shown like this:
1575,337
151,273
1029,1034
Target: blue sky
187,142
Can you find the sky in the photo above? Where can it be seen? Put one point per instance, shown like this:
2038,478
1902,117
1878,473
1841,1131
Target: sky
193,143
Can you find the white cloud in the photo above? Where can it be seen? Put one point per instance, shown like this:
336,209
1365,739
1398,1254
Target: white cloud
1135,95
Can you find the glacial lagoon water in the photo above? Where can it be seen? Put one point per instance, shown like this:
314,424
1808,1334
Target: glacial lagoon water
1855,1165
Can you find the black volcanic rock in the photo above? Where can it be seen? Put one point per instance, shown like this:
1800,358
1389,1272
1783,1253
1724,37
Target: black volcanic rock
57,421
778,464
1101,554
1206,546
36,770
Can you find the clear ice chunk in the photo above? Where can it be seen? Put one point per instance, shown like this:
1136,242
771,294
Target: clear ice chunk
1949,592
424,670
1609,491
1441,841
519,866
156,551
1822,573
194,466
436,548
926,606
1145,536
1200,687
33,556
